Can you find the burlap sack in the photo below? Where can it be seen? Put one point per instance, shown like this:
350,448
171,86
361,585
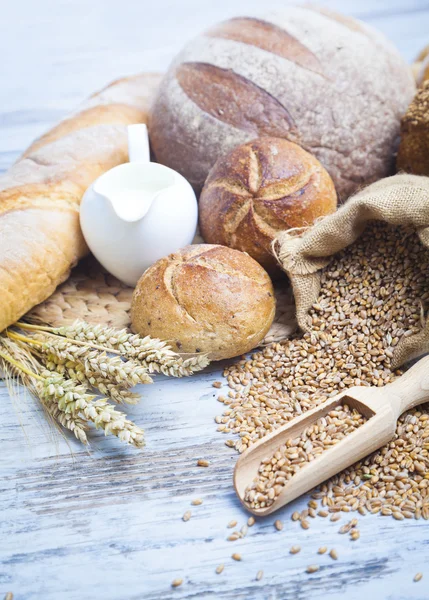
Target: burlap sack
398,200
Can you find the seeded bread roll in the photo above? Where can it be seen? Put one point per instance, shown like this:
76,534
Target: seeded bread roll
420,66
259,189
413,151
205,298
328,82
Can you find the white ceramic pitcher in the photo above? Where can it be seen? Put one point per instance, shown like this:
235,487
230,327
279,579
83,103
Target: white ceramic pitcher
137,212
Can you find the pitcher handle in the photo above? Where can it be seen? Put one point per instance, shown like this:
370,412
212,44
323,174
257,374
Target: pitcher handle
138,143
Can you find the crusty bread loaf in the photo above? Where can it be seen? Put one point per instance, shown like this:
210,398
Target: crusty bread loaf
259,189
423,72
205,298
413,151
40,237
328,82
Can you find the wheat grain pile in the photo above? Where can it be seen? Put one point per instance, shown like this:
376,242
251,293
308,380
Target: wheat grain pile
372,294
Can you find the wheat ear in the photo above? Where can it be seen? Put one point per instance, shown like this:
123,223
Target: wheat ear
70,370
67,401
151,353
19,362
72,398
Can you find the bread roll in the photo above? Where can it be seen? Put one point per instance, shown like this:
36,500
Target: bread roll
423,72
420,66
40,237
413,151
205,298
328,82
259,189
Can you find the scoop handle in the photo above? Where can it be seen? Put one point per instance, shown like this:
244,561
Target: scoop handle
412,388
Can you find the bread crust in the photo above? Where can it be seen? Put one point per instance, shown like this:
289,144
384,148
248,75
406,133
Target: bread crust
260,189
413,151
40,236
330,83
205,298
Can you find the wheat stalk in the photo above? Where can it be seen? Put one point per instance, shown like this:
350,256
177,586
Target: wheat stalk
19,364
151,354
62,366
94,364
66,401
98,365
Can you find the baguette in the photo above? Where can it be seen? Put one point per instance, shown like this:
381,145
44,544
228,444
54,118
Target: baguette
40,236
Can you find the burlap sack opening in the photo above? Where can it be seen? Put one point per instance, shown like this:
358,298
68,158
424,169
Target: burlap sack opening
397,200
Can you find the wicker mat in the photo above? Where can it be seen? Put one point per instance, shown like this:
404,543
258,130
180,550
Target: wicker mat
95,296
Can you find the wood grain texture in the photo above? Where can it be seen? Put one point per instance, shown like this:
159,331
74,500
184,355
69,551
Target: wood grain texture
107,524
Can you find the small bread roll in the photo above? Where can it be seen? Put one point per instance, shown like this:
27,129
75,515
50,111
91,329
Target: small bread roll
207,299
420,67
260,189
413,151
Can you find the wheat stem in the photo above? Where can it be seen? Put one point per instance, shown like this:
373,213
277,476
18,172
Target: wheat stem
22,338
24,367
152,354
62,365
19,366
23,325
86,344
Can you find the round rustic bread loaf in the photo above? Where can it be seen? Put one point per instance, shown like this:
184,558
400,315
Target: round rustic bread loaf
259,189
328,82
205,298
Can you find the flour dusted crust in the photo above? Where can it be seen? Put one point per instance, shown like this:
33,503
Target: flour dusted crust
205,299
330,83
413,151
123,102
40,237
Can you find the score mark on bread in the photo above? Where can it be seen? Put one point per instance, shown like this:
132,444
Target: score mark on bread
269,37
233,99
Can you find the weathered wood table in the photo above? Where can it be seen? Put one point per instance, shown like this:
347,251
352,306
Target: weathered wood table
107,523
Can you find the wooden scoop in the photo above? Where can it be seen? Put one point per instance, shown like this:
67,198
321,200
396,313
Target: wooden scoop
381,406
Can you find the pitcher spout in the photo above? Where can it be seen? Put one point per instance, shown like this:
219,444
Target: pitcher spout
130,205
132,188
